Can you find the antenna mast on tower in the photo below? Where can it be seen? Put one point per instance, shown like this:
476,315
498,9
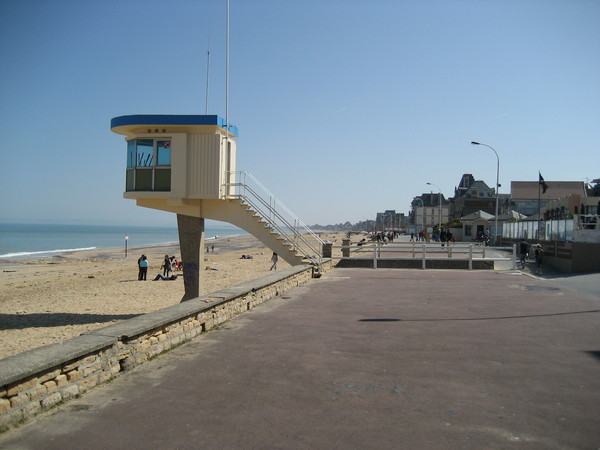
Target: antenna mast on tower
207,71
227,78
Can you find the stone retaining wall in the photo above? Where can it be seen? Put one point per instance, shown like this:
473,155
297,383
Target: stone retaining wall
43,377
567,257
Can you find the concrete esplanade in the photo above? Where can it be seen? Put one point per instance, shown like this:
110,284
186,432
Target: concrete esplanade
362,358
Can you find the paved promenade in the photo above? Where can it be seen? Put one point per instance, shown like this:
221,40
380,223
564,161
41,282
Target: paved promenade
362,359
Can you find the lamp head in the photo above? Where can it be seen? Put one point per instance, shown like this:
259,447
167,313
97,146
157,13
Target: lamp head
475,143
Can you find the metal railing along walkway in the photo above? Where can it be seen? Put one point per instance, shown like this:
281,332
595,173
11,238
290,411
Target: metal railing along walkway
427,252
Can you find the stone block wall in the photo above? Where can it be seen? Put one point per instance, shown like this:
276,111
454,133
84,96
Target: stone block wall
567,257
36,380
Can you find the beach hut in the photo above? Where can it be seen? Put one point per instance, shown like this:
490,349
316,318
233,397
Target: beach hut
475,225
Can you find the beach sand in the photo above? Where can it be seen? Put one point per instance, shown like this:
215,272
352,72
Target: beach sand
43,301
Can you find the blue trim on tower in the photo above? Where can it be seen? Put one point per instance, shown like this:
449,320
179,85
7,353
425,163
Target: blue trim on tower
161,119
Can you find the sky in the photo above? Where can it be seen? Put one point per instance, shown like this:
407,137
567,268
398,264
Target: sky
345,108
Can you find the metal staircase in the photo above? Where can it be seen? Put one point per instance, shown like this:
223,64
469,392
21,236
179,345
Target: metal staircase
296,242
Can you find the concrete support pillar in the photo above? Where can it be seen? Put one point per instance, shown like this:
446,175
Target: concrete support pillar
346,247
327,249
191,244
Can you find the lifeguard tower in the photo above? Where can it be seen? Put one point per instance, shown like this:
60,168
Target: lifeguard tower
186,164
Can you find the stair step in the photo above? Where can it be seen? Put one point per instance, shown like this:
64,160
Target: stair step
285,240
292,243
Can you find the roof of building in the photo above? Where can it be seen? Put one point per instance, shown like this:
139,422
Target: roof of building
556,189
511,215
465,181
477,215
478,186
431,199
134,123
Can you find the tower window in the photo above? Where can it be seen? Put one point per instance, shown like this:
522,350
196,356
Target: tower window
148,165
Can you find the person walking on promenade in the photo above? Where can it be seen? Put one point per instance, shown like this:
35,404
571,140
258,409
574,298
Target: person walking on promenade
167,268
274,259
523,250
143,265
538,253
443,237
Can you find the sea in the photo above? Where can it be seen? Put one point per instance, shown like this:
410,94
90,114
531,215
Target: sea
21,241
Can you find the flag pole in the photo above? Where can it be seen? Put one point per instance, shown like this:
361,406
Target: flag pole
542,186
539,203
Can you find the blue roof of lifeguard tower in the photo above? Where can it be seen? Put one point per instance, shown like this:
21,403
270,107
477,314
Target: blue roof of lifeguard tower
166,119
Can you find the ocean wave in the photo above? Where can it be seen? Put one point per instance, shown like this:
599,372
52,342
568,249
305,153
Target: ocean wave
212,238
45,252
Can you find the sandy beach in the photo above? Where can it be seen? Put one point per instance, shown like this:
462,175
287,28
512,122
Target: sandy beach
43,301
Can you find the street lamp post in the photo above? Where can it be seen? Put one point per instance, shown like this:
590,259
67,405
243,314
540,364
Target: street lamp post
497,186
439,206
126,239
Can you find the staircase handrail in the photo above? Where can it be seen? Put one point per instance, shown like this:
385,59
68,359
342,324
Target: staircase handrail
274,224
273,212
276,200
286,209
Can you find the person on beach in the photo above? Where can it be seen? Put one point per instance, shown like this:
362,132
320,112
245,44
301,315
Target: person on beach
160,276
274,259
140,268
538,254
167,268
177,264
143,265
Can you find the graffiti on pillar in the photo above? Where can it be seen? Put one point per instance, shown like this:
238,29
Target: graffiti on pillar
190,273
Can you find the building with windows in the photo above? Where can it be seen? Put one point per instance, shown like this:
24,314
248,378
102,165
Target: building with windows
529,198
428,210
390,220
476,225
568,227
473,195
